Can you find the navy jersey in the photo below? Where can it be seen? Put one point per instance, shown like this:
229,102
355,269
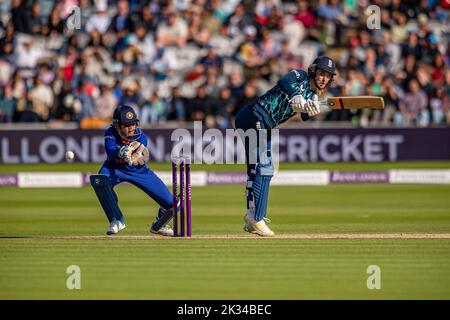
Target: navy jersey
273,106
113,143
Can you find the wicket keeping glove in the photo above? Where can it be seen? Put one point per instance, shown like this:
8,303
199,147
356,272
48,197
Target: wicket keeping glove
125,153
312,106
298,103
139,154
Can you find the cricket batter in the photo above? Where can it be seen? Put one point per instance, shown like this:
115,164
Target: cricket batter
296,92
127,155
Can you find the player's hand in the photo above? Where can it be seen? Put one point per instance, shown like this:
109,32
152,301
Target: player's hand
125,153
139,156
298,103
312,106
134,145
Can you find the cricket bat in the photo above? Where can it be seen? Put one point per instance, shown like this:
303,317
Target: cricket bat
354,102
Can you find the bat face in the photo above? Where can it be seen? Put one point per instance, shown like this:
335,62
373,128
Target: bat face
358,102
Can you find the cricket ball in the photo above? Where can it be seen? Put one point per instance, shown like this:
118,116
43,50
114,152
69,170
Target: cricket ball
69,156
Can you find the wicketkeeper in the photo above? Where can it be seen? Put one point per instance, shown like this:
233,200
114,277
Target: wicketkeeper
296,92
127,155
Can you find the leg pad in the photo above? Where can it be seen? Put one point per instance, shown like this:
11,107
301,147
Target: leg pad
107,197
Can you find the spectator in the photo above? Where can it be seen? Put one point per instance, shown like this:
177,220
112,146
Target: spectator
155,111
398,7
143,46
412,46
164,64
55,23
27,114
269,47
236,85
122,20
211,84
19,86
36,20
399,30
319,33
437,74
212,59
84,105
177,105
440,106
249,95
64,104
160,47
6,72
412,107
251,58
106,103
237,21
386,19
336,20
27,53
274,20
42,99
201,105
20,16
287,59
149,20
172,32
392,94
100,21
131,93
303,14
264,8
7,104
226,108
410,67
7,42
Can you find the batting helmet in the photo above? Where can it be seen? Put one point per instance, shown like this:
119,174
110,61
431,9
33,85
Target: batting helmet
125,115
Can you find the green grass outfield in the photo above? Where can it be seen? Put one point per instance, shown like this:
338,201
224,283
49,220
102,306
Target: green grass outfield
43,231
345,166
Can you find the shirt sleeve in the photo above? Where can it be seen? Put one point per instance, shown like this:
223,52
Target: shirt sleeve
286,82
143,139
111,146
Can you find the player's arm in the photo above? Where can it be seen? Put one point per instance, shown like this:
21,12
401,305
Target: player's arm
287,81
114,151
296,101
111,147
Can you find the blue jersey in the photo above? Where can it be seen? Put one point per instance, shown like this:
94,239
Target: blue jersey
273,106
113,143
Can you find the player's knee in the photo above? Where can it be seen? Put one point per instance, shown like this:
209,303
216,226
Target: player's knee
99,180
166,201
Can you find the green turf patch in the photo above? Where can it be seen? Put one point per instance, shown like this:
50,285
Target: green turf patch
81,167
34,267
225,269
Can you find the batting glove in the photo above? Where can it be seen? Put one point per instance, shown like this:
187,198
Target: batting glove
312,106
298,103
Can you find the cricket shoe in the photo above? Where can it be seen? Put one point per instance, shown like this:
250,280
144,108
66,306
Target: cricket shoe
165,230
258,227
249,221
261,228
115,227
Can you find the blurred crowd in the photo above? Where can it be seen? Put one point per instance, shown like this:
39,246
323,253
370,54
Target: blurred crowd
184,60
